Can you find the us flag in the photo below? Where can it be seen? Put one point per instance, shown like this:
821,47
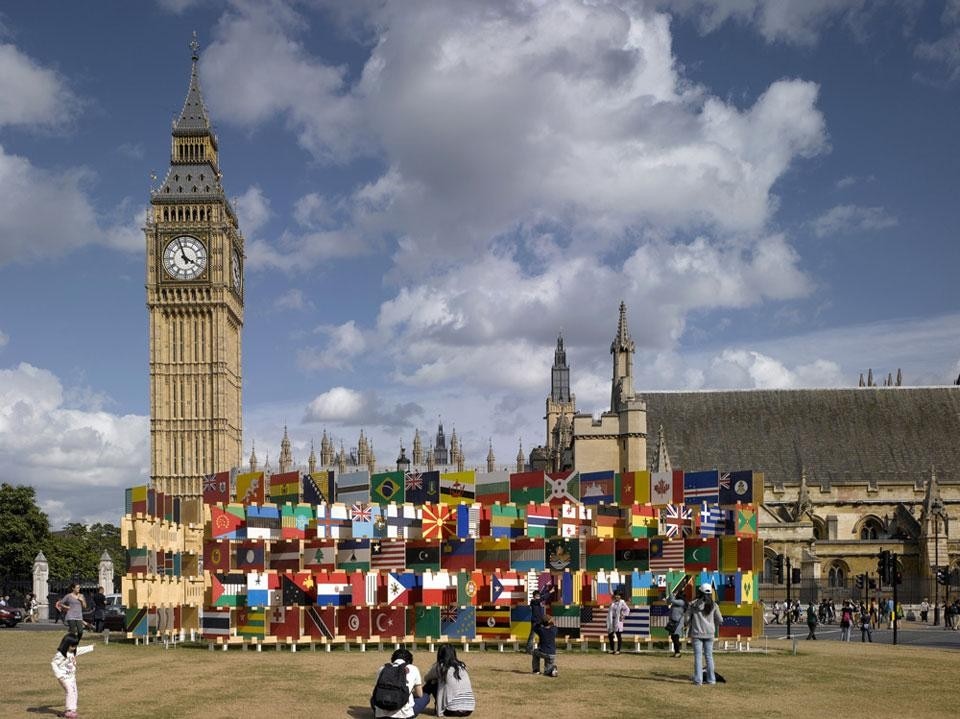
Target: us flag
593,621
388,554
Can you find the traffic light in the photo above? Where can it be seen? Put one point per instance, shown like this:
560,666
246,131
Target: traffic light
883,567
943,576
779,567
859,581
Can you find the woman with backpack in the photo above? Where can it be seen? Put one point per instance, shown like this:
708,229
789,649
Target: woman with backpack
449,683
704,617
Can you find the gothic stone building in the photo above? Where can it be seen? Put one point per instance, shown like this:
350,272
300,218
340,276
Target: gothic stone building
847,472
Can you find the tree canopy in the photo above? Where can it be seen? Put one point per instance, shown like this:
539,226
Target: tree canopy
24,529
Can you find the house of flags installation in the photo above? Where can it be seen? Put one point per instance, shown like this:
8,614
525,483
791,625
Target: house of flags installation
310,558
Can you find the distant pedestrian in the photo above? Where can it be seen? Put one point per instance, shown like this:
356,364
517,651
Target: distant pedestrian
704,617
675,621
776,612
73,605
99,609
924,610
890,613
866,633
811,621
846,621
616,613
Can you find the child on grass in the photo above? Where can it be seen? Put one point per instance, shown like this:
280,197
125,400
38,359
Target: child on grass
64,665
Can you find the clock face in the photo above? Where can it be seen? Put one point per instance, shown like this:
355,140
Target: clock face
185,258
237,272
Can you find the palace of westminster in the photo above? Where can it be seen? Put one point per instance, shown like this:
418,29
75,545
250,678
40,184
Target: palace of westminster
847,472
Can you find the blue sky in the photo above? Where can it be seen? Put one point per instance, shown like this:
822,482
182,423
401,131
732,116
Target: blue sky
430,191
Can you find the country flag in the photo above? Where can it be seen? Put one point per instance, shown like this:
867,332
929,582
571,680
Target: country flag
439,522
320,622
458,622
216,556
285,487
213,623
666,554
457,554
228,523
353,622
319,553
712,520
637,622
388,554
387,487
423,554
700,553
676,520
216,488
249,556
298,589
600,553
508,588
699,487
456,487
250,488
597,487
593,622
251,622
285,555
399,587
295,520
632,554
562,487
388,621
493,622
284,622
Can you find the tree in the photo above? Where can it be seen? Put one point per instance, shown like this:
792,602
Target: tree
24,529
75,551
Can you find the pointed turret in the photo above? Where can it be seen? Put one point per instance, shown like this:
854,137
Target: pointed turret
326,450
431,460
870,382
312,460
622,349
371,459
417,449
342,460
521,462
899,378
663,457
861,383
491,460
560,374
266,465
286,456
253,457
803,504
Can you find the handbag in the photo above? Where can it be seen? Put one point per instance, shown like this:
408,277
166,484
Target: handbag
672,625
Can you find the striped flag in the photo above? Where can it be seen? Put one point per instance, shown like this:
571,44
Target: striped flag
637,622
666,554
676,520
593,621
567,619
388,554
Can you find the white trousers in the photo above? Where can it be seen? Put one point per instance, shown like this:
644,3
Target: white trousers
69,684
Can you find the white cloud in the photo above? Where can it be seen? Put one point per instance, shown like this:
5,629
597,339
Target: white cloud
738,368
344,343
253,209
255,70
132,150
29,231
88,455
345,406
791,21
32,95
292,299
852,219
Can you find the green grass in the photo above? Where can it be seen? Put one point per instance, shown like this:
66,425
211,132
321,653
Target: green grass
825,679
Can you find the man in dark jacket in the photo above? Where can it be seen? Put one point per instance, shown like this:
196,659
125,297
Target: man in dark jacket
546,648
536,617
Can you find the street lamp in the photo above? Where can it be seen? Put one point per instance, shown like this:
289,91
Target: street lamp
936,507
403,462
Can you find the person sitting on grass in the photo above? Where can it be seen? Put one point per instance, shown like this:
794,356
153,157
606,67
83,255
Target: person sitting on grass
448,682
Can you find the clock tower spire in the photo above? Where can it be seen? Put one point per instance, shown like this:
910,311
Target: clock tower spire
195,308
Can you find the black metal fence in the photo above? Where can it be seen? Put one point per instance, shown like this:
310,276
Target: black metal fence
912,590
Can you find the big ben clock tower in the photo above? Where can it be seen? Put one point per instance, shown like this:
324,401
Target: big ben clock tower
195,303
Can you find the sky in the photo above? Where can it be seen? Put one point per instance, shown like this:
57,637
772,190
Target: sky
431,191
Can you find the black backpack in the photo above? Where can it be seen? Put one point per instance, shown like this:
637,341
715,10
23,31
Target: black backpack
391,692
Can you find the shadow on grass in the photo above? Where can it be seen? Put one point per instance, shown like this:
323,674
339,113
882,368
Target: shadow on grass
512,671
360,712
44,709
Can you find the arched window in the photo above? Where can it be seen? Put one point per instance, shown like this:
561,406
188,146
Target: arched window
819,528
837,574
769,567
871,528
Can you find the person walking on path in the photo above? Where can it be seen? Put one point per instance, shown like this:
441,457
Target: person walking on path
704,617
616,613
537,615
675,621
73,604
811,621
924,610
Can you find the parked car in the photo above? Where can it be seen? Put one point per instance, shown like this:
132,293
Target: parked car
11,616
115,614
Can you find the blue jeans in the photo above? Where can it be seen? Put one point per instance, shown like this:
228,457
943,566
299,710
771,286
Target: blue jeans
420,704
703,648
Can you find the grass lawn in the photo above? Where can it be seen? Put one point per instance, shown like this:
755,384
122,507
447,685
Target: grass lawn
825,679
